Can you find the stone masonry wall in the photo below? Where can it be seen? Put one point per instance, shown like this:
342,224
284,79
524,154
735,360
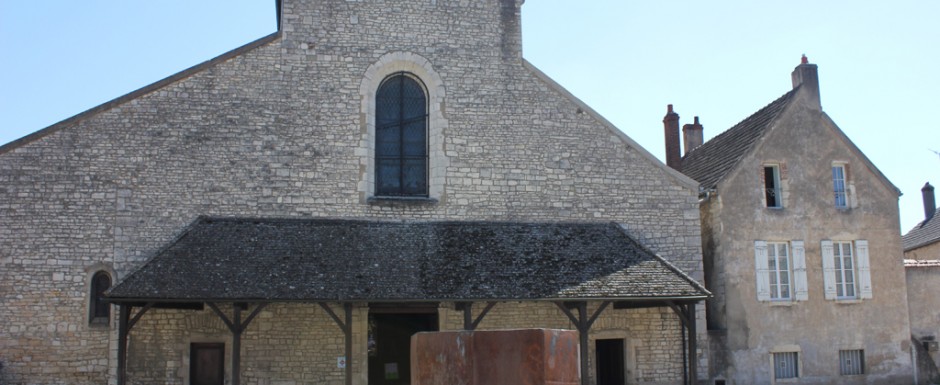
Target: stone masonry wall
274,132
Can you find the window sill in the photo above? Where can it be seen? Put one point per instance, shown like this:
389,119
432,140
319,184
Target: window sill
848,301
783,303
401,201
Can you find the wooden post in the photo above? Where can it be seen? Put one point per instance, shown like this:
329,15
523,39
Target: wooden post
123,317
693,342
467,308
236,344
583,329
349,342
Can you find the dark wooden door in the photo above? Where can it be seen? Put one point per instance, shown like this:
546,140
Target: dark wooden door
390,356
207,364
610,362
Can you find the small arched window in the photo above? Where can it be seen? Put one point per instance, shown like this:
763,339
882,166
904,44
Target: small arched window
401,137
99,311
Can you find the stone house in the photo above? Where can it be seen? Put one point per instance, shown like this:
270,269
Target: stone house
801,248
292,211
922,268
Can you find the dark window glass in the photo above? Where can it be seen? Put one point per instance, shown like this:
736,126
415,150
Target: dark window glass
100,310
772,186
401,138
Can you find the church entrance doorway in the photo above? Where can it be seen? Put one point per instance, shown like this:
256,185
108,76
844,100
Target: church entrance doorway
389,342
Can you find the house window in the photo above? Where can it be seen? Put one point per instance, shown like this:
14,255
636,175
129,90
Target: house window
772,191
99,311
401,138
786,365
838,186
846,270
851,362
778,264
781,271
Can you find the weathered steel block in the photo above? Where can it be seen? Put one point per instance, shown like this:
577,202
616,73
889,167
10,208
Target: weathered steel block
495,357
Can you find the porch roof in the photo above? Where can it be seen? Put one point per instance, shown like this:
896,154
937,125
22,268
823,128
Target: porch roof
272,260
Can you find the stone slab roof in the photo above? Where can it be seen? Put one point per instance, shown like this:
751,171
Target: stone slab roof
714,159
227,259
925,233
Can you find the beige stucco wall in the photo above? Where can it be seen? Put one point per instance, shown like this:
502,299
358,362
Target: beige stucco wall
747,331
277,132
926,252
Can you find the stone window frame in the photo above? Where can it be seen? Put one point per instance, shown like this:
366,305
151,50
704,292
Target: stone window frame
90,302
438,161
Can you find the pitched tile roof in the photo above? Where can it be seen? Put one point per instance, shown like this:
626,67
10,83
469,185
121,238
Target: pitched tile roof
925,233
345,260
711,161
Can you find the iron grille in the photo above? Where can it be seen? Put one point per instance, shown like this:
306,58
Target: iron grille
851,362
786,365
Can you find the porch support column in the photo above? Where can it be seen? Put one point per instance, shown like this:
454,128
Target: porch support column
236,326
346,327
686,313
125,323
123,318
583,324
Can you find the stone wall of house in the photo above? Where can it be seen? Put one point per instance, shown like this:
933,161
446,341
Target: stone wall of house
923,283
278,132
806,144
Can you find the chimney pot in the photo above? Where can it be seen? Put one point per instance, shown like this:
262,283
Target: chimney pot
692,136
930,204
804,60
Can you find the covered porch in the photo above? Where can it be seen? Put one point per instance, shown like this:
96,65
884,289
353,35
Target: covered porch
348,270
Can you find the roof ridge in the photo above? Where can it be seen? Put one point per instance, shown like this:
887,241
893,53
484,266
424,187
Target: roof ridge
710,162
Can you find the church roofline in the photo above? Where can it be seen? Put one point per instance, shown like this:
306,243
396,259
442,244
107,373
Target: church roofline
680,177
186,73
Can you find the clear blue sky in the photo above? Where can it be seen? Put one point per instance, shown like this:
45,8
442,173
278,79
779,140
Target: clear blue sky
720,60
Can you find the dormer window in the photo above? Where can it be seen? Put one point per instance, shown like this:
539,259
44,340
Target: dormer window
773,194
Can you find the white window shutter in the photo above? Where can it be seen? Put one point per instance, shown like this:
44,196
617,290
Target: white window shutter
864,269
829,270
760,266
799,271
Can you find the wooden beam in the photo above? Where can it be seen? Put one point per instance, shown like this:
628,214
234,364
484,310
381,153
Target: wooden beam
346,327
476,322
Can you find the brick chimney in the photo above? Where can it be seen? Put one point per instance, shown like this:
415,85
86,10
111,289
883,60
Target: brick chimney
806,75
692,136
930,205
671,127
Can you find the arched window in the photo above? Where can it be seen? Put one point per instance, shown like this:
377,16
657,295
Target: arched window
98,310
401,137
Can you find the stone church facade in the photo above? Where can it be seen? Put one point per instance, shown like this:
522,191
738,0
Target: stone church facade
291,128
